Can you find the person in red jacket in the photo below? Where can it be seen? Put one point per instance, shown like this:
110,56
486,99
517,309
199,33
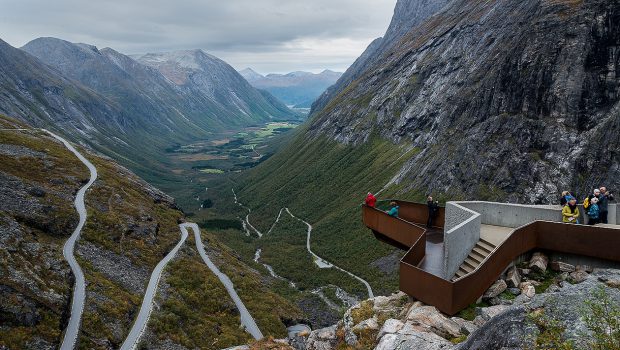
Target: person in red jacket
371,200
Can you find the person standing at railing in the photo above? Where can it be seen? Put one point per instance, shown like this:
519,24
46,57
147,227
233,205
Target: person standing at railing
566,195
371,200
433,209
603,203
593,212
570,212
394,210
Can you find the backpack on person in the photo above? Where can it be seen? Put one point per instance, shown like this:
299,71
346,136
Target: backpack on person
594,212
586,203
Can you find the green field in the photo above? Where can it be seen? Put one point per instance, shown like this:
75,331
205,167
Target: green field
192,167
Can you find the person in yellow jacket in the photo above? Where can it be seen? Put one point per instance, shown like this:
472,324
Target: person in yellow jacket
570,212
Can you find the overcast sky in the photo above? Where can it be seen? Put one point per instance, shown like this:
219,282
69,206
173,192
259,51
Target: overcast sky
271,36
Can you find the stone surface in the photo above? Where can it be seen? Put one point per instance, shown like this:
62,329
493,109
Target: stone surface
414,340
577,276
488,313
467,327
369,324
508,330
513,277
429,319
390,326
322,339
528,289
585,268
515,291
560,266
539,261
427,93
496,289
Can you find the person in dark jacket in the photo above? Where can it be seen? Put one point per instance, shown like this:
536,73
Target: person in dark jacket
433,209
603,204
371,200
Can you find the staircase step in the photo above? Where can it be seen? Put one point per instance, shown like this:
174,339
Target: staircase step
466,268
479,246
471,262
483,253
489,246
476,255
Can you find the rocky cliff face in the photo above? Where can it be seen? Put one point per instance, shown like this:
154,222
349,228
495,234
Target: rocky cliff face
407,15
507,100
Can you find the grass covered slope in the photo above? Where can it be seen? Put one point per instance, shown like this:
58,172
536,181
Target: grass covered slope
130,227
196,311
324,183
36,217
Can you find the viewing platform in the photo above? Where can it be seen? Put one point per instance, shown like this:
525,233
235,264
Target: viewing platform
451,265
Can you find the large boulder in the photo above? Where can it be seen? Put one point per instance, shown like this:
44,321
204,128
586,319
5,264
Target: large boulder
496,289
560,266
512,328
513,277
390,326
539,261
508,330
413,340
429,319
322,339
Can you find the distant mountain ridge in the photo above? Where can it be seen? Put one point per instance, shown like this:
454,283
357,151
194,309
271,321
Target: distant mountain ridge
297,88
122,107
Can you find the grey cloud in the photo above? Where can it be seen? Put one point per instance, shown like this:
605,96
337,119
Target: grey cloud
234,30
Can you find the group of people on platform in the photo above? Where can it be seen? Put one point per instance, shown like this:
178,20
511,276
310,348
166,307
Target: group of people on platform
433,208
595,205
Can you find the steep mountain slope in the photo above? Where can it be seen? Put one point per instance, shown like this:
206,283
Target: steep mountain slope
407,15
118,106
142,92
205,75
298,89
508,100
485,100
130,227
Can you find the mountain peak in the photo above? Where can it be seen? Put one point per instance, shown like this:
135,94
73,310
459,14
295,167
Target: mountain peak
250,74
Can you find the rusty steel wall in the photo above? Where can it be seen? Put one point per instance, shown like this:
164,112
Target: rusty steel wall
451,297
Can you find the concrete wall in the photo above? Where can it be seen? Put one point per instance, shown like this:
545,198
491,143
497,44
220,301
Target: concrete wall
461,233
513,215
614,214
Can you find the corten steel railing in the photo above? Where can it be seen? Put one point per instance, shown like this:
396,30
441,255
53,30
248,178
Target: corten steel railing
452,296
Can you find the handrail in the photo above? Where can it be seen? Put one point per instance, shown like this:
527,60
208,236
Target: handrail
452,296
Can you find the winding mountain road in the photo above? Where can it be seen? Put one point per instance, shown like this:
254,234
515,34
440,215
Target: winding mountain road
326,264
320,262
139,325
141,322
246,319
79,290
